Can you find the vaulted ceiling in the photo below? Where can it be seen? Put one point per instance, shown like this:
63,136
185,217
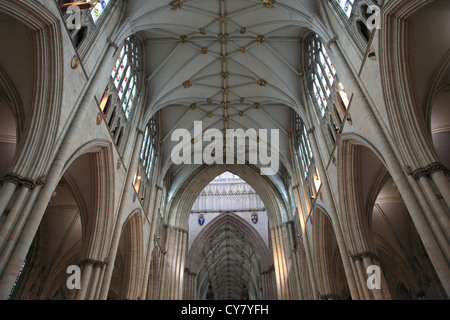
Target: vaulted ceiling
228,63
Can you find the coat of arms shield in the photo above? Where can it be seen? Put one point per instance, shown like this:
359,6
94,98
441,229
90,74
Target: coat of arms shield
201,219
255,217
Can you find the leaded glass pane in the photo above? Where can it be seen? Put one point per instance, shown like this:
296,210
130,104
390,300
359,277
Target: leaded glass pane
98,10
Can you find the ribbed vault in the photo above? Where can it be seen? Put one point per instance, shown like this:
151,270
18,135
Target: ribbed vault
232,64
229,257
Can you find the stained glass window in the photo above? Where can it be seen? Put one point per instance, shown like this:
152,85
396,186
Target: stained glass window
322,74
98,9
347,6
125,75
149,145
303,145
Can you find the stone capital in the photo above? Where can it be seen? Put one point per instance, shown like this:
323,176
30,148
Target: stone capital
428,170
363,255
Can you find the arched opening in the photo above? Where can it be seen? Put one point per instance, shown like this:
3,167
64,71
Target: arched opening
58,241
284,268
432,79
440,119
228,229
8,137
16,86
127,276
380,229
331,280
68,233
402,256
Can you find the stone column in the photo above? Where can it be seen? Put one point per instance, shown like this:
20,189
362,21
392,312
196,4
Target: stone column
334,217
293,247
151,238
183,251
6,192
128,190
306,242
97,267
14,222
85,279
190,284
267,283
174,265
441,180
432,179
279,267
363,260
163,284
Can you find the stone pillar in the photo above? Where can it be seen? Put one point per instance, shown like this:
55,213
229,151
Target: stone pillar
268,284
151,238
362,261
295,261
183,251
97,270
13,224
163,284
90,273
85,279
174,266
285,270
279,270
334,217
441,180
128,190
306,242
432,179
190,285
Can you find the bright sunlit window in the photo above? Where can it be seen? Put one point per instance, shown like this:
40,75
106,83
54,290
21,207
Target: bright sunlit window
98,9
347,6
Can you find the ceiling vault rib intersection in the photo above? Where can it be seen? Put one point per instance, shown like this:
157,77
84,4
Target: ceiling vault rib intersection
228,63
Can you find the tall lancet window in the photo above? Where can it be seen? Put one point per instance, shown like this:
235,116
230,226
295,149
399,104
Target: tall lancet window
120,98
149,146
125,75
98,9
324,86
322,74
347,6
303,145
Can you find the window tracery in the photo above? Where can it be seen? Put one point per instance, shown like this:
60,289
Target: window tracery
303,145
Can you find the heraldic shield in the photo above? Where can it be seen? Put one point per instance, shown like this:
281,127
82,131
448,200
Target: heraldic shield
255,217
201,219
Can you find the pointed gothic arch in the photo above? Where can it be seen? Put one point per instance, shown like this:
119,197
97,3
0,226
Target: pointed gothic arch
331,280
196,256
42,111
131,248
364,176
186,194
77,219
